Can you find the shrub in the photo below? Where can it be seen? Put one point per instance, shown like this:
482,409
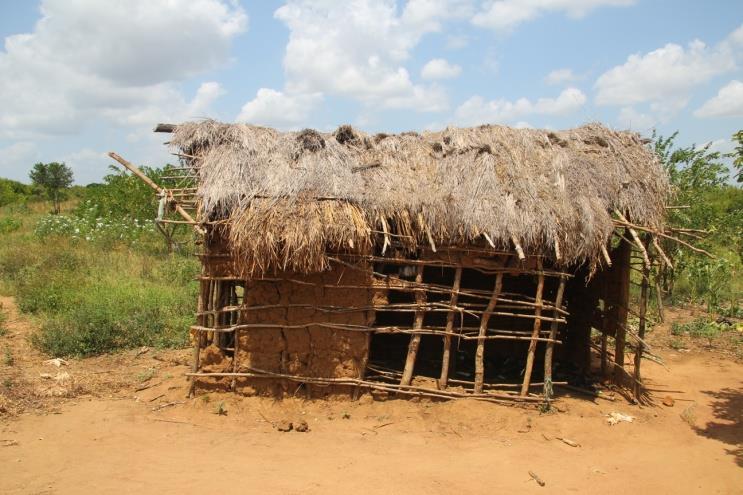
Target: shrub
110,315
9,224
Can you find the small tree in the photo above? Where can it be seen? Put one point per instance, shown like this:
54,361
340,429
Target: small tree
737,155
54,178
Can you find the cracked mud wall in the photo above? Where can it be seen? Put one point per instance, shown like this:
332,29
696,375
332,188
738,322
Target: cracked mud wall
313,350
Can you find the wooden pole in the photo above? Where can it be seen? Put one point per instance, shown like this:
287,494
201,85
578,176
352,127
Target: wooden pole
202,305
446,356
551,345
641,330
623,254
136,171
534,335
480,353
415,339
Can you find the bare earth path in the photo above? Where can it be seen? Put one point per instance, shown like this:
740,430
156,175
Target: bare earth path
154,440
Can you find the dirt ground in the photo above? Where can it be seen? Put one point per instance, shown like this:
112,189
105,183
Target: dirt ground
122,424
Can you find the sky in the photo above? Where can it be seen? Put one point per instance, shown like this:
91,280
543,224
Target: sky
79,78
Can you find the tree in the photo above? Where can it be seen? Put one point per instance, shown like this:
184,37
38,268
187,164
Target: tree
54,178
737,155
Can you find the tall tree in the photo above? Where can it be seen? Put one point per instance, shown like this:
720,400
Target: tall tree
54,178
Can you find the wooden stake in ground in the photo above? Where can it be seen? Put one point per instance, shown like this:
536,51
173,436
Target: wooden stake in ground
551,344
446,356
415,339
621,300
641,329
534,334
480,353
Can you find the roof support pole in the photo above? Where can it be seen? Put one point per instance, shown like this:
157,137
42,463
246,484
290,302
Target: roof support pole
415,339
480,353
551,344
641,328
446,356
534,334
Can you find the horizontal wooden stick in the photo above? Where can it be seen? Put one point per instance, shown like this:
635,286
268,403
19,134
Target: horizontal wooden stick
365,383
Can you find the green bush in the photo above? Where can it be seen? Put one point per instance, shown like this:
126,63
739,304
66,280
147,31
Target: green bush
116,315
8,225
701,327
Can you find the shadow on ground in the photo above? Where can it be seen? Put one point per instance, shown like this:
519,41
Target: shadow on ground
727,427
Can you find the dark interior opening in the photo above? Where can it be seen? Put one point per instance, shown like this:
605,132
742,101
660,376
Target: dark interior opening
504,360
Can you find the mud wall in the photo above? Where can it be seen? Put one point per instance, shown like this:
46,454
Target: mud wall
301,348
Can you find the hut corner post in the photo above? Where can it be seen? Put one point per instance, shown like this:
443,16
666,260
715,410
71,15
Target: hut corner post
642,323
622,260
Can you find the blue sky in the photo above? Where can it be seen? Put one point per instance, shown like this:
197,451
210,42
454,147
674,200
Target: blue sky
79,78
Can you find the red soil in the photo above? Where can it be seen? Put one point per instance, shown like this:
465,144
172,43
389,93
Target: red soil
106,436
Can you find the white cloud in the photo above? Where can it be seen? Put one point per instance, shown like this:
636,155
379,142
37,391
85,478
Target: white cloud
478,111
630,118
727,103
438,68
120,61
274,108
357,49
86,164
560,76
505,15
665,77
16,159
721,145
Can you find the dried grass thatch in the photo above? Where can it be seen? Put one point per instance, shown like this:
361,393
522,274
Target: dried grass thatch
292,196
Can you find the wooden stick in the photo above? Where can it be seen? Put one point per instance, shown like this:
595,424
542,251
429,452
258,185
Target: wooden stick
403,389
550,346
446,356
659,298
136,171
535,335
415,340
480,353
636,238
641,332
558,254
519,250
607,258
662,253
386,230
487,238
662,234
621,299
423,225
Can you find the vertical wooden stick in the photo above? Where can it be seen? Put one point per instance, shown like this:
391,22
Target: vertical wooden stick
415,339
605,283
480,353
534,334
446,356
621,289
659,298
641,329
551,344
204,295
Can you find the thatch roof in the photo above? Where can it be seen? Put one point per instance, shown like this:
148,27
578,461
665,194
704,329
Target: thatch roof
292,196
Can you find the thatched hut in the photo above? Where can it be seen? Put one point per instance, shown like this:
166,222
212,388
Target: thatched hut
461,263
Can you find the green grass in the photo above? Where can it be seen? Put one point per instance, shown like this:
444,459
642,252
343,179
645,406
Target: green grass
90,298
